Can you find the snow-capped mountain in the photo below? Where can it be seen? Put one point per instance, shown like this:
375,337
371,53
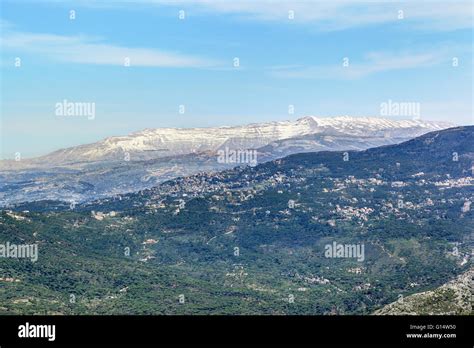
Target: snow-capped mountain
141,160
166,142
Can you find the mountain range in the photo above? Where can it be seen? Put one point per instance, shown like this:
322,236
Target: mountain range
144,159
252,239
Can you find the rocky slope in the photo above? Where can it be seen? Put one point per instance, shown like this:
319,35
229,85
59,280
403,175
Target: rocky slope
452,298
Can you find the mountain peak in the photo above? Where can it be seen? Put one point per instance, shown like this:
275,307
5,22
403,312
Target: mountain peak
165,142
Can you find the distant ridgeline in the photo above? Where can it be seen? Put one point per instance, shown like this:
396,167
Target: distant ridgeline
252,240
142,160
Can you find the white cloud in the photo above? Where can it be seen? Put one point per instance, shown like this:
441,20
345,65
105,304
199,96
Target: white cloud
374,62
342,14
325,14
90,50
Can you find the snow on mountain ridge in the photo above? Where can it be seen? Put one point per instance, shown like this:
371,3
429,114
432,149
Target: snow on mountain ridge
101,169
163,142
301,126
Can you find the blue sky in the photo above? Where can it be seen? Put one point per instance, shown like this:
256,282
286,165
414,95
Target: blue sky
400,56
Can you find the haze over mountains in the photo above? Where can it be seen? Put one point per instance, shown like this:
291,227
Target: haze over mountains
165,142
408,204
143,159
